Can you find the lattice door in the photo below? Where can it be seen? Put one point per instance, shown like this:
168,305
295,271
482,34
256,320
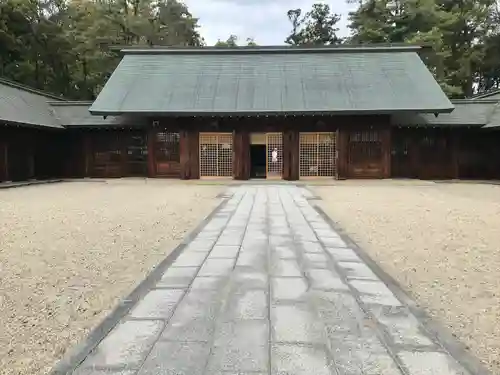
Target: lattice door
274,146
216,155
317,155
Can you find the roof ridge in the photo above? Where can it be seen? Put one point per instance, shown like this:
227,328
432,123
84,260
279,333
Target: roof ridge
492,112
32,90
354,48
475,101
69,103
485,93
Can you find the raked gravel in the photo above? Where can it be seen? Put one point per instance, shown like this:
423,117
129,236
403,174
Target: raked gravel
70,251
440,241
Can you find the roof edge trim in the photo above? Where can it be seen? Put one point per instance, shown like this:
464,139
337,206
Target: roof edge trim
31,90
475,101
70,103
271,113
360,48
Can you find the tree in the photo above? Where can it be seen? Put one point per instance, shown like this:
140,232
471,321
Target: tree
64,47
232,41
456,30
316,27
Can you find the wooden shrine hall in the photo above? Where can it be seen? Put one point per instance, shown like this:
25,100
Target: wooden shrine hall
254,112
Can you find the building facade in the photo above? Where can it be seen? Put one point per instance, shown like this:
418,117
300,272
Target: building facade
274,113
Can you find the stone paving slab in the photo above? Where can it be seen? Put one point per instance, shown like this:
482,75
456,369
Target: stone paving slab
269,287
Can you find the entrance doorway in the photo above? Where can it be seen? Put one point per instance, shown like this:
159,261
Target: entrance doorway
266,155
258,161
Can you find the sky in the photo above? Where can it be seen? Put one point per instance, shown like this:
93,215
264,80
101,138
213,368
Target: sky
263,20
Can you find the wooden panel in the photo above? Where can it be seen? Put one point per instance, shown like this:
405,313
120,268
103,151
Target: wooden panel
434,156
241,154
185,172
366,154
4,169
317,154
258,138
386,151
87,152
216,155
291,155
274,159
20,154
402,155
107,155
478,154
135,154
342,153
166,153
194,155
152,153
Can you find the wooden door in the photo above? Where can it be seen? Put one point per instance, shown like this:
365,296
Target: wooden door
274,152
216,155
365,154
106,156
434,156
317,155
402,155
136,154
166,149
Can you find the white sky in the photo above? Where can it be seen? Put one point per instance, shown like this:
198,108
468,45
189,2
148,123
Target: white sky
264,20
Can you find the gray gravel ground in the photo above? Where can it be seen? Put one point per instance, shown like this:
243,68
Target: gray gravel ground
440,241
70,251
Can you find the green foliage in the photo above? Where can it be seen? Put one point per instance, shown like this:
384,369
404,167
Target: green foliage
232,41
316,27
64,47
461,33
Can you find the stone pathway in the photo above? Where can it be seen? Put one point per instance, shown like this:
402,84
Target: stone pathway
268,287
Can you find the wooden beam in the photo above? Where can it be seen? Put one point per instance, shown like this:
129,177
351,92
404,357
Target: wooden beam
4,161
185,172
87,154
151,152
342,153
386,151
291,154
455,154
241,154
194,154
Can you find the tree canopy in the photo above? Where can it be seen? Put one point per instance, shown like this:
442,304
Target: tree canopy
63,46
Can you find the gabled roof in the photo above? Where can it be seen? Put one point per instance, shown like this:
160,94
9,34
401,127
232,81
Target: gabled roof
272,80
494,120
492,94
25,106
467,113
73,114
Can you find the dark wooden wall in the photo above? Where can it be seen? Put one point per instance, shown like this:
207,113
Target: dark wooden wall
435,154
367,147
363,145
30,153
372,159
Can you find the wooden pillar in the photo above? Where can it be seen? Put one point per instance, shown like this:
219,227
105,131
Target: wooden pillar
151,136
122,142
31,155
342,153
386,152
455,154
241,154
189,154
291,155
87,154
194,154
4,161
185,171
